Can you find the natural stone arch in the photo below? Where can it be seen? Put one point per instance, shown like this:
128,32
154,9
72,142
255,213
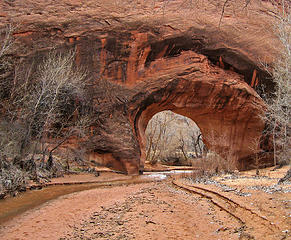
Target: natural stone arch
151,62
218,101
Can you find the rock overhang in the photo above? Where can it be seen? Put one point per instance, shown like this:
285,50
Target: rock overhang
151,63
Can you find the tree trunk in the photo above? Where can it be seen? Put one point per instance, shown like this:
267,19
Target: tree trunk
50,162
274,145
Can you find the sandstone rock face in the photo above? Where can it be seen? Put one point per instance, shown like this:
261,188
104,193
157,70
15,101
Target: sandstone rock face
149,56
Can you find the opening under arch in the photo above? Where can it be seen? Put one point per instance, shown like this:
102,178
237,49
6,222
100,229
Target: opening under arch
173,139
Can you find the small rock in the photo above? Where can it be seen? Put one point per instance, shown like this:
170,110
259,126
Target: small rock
149,221
222,229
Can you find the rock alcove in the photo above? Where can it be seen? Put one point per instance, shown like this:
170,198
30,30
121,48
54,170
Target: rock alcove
224,106
141,64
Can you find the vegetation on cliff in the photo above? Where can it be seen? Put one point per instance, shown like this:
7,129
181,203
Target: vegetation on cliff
43,100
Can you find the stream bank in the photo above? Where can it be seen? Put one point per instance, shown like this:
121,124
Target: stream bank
159,210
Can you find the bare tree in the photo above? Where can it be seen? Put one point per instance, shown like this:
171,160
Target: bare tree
182,147
167,133
37,101
7,43
6,63
50,100
45,101
157,137
255,147
150,139
278,112
197,142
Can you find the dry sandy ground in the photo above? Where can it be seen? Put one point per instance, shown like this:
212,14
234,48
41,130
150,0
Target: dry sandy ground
160,210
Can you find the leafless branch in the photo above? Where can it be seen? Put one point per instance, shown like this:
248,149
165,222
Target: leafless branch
222,12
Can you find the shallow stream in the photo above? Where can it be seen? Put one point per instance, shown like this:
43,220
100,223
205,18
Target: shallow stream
14,206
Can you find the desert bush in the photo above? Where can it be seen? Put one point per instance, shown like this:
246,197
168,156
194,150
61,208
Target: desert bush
12,179
214,163
173,159
11,136
219,158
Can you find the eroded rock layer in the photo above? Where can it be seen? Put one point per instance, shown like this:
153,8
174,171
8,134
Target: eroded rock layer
196,58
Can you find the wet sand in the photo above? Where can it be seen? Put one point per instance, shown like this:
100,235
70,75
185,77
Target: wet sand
160,210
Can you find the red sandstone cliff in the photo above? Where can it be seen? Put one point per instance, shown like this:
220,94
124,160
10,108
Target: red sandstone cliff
159,55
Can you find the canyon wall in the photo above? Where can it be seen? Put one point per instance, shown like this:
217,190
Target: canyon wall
196,58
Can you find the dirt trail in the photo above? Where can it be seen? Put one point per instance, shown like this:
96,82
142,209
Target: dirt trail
158,210
250,221
141,211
